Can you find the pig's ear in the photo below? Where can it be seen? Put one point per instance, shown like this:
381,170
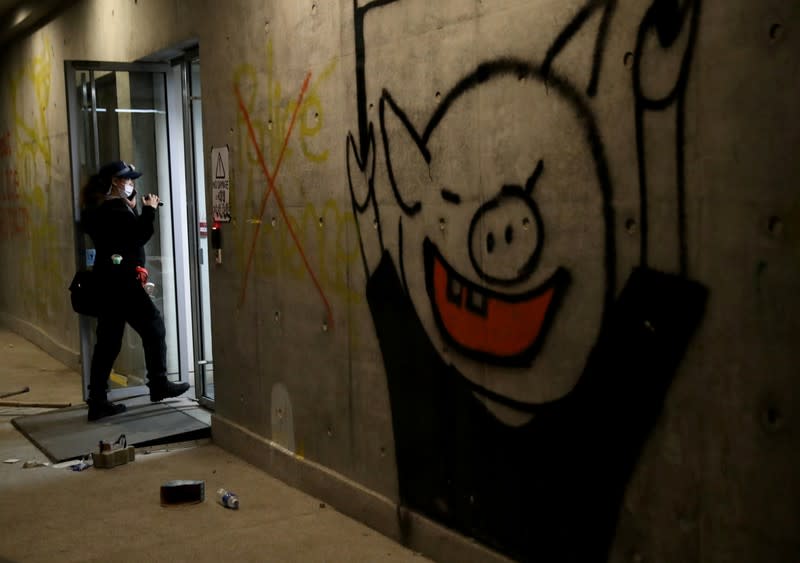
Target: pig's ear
407,158
570,35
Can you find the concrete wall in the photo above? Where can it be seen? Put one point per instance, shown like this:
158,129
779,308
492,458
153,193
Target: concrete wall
527,274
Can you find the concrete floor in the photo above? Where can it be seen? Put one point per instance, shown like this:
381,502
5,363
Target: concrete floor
56,514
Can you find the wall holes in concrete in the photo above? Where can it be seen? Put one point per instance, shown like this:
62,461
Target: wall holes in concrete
269,125
321,222
281,417
526,223
274,222
330,432
371,105
277,316
627,60
775,227
772,419
775,32
442,223
375,225
266,26
324,326
438,96
313,8
383,452
630,226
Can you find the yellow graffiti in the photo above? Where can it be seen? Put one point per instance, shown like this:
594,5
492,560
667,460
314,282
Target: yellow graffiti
271,122
27,178
322,233
311,116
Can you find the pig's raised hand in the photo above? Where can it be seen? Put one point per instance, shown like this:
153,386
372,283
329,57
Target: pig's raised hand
361,179
663,51
663,56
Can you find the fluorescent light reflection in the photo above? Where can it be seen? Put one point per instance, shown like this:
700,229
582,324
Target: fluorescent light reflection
21,15
118,110
139,111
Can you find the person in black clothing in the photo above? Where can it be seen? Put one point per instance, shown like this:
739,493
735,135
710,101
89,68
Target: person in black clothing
119,234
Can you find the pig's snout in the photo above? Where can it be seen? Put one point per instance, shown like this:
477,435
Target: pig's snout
505,237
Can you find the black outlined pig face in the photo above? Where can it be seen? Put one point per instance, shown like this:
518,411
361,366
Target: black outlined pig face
504,228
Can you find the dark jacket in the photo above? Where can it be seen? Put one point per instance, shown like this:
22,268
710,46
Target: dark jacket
549,490
115,228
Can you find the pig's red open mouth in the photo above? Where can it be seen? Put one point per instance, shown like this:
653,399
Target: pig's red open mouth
487,325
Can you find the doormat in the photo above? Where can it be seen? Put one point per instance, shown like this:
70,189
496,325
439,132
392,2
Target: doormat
66,434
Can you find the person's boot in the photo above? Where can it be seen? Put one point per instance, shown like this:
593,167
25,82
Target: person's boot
101,408
162,388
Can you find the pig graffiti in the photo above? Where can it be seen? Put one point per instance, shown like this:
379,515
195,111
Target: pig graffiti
522,385
483,224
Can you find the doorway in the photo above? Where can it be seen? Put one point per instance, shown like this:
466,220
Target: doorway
150,114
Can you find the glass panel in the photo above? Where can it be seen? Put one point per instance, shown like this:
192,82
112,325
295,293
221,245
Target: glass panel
131,125
86,156
204,354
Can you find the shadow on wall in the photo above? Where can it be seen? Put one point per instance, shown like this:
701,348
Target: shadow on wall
523,384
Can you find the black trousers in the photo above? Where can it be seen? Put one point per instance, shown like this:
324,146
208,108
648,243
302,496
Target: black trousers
125,301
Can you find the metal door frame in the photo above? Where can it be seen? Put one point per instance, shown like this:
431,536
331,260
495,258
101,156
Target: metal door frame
176,207
200,360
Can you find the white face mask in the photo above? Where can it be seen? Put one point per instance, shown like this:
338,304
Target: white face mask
127,188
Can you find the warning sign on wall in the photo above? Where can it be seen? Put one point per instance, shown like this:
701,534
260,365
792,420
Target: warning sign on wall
221,191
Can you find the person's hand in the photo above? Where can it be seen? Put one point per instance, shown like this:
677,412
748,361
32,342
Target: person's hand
151,200
131,202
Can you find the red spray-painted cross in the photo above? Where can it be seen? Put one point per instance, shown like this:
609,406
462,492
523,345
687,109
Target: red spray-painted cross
271,179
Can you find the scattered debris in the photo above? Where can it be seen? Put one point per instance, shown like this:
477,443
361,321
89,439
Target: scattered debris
43,405
183,492
228,499
80,466
33,463
113,454
12,460
175,446
4,394
68,464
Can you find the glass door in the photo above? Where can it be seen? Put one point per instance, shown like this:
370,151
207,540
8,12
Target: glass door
188,68
122,112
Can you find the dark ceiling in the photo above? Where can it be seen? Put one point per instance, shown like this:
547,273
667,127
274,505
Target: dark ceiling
21,17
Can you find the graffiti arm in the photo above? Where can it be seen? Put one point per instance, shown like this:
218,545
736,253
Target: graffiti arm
359,13
361,151
662,59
